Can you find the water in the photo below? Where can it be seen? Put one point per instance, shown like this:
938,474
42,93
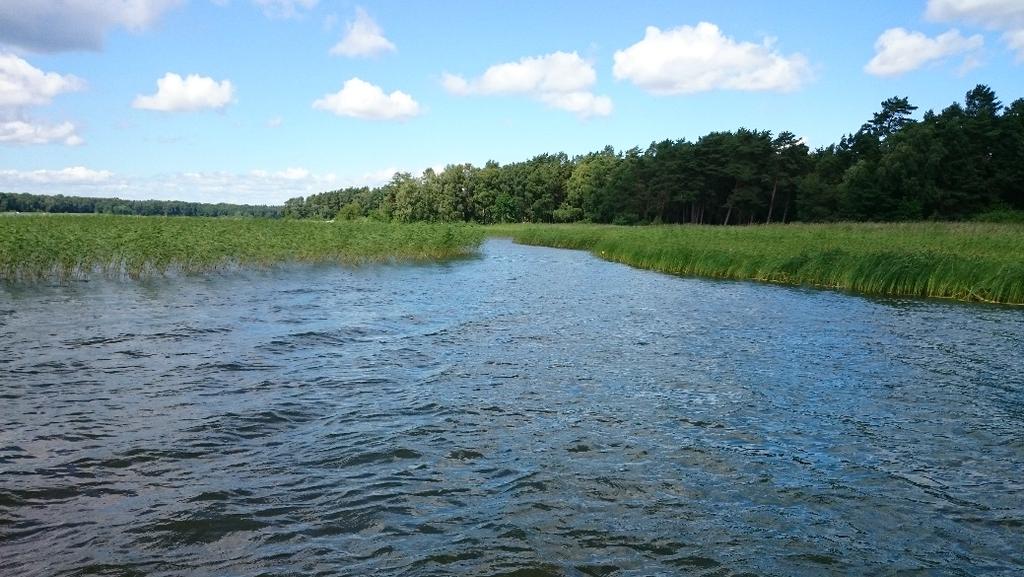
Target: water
531,412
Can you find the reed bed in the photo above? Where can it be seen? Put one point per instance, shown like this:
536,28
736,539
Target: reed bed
62,247
963,261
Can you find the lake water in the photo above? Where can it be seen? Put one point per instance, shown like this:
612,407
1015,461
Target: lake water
529,412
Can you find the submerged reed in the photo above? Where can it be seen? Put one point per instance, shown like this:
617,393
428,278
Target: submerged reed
45,247
964,261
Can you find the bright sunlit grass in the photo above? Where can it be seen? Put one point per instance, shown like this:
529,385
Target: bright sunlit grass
38,247
965,261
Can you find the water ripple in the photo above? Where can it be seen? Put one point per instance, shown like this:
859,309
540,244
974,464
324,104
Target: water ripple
531,413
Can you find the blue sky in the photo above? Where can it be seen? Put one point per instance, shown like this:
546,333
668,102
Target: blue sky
257,101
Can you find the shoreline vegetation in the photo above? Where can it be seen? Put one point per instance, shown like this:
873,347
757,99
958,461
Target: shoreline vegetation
980,262
889,192
36,248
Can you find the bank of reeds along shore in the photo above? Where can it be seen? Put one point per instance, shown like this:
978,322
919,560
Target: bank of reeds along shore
963,261
62,247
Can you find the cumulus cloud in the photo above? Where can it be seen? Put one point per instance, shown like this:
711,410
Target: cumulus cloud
700,58
22,132
581,103
177,94
1004,15
22,84
252,187
258,186
898,51
373,178
986,12
1015,40
363,38
561,80
73,175
360,99
286,174
556,72
455,84
43,26
285,8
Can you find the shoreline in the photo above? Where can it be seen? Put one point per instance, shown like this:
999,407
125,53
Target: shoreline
967,262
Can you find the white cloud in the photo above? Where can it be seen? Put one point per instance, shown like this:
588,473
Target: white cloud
557,72
253,187
73,175
700,58
360,99
1005,15
971,61
455,84
993,13
275,122
55,26
286,174
256,186
21,132
898,51
194,92
1015,40
285,8
373,178
581,103
363,38
561,79
22,84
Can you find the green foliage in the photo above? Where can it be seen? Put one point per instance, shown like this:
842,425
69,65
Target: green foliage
24,202
1001,215
350,211
965,261
42,247
963,161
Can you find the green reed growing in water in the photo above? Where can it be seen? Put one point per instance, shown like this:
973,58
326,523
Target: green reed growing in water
965,261
41,247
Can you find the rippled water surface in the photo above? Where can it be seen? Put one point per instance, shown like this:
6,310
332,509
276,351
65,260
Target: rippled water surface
530,412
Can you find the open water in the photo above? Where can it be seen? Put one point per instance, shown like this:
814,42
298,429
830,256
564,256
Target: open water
530,412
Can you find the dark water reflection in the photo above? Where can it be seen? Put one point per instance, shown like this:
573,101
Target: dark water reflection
532,412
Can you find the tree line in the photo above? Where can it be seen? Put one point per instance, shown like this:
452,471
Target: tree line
954,164
24,202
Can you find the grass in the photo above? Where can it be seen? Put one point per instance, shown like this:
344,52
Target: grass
964,261
61,247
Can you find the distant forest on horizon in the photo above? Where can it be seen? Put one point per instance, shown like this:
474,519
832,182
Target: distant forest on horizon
966,160
58,203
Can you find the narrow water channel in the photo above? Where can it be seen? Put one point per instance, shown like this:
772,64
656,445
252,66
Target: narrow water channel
529,412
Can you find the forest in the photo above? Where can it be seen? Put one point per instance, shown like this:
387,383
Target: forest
962,162
25,202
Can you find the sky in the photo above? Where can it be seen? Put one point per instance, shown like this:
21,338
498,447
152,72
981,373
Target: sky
258,101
